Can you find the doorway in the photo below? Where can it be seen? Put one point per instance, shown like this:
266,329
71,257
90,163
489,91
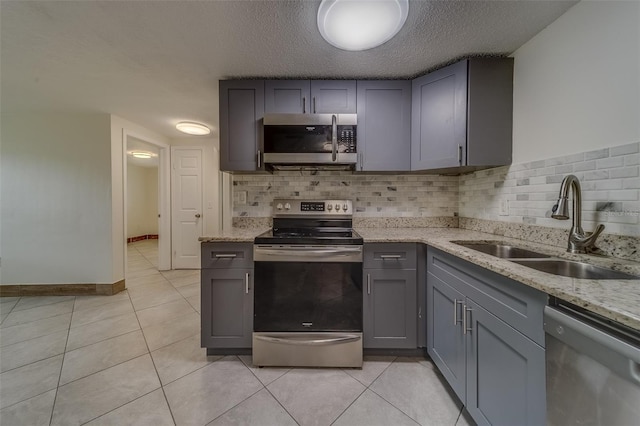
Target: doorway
146,199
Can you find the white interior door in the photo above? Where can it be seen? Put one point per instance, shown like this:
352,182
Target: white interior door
186,204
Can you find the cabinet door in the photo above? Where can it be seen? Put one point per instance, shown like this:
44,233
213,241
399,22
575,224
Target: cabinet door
390,309
384,125
287,96
227,308
505,372
241,112
439,118
333,97
445,341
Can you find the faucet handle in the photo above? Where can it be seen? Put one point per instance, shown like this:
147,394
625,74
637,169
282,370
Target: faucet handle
589,243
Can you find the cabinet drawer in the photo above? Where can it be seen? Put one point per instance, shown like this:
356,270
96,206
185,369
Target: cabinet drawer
390,256
516,304
227,255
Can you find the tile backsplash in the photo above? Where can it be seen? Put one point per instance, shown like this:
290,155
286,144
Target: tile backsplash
609,178
526,192
373,195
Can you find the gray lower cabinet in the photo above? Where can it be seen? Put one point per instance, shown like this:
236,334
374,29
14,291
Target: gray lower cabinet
384,125
462,115
390,319
226,296
485,335
241,113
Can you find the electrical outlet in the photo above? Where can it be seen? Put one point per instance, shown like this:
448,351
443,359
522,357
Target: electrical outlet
504,208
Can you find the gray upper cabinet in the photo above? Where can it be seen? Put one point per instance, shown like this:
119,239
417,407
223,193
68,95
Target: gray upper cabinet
384,125
310,96
241,112
462,115
485,336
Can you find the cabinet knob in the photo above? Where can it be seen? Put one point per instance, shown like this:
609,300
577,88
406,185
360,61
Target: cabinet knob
198,215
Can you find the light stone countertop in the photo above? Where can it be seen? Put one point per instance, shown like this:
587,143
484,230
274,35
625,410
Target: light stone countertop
618,300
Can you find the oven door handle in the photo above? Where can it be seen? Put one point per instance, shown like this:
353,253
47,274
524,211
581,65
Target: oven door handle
310,254
334,138
311,342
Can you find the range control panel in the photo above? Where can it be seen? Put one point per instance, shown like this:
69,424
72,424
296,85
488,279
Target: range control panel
328,208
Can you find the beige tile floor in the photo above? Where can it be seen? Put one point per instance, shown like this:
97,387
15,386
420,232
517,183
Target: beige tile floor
135,359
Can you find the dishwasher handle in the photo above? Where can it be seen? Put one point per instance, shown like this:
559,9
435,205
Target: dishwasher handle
595,342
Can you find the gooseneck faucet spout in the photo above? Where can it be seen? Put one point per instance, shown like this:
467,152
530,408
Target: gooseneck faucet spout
578,242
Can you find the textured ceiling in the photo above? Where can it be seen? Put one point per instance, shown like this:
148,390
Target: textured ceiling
159,62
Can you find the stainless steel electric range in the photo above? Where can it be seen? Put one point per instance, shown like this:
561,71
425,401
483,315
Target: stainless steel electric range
308,287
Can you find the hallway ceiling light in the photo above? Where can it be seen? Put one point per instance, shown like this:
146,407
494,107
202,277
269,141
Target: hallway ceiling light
141,154
192,128
361,24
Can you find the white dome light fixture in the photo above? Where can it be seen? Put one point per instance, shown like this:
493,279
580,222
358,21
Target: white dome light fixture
191,128
141,154
361,24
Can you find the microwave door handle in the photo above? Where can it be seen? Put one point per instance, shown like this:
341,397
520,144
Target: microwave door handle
334,138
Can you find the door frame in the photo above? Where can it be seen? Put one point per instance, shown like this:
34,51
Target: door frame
164,198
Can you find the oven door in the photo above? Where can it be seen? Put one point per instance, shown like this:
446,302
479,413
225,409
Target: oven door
307,306
307,288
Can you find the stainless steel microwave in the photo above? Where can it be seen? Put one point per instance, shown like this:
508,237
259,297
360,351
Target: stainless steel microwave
310,140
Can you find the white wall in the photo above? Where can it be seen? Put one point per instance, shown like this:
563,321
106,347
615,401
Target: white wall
56,198
142,200
577,83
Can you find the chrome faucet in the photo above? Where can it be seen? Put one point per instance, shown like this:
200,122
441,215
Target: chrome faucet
579,242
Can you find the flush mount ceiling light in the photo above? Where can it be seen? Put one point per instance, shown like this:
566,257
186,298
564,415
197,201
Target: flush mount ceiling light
361,24
141,154
192,128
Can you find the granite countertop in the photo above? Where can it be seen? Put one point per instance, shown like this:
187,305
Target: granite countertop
618,300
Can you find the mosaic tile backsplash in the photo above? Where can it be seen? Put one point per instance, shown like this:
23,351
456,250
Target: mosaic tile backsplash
372,195
609,179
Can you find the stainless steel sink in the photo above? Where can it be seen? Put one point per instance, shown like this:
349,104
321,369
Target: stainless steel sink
545,263
502,250
569,268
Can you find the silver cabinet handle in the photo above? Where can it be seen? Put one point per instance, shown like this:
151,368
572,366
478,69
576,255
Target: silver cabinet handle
460,154
225,255
456,302
259,159
390,256
334,137
198,215
304,105
246,283
464,320
368,283
314,104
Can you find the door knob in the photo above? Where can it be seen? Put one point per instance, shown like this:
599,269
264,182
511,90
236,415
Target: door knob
198,215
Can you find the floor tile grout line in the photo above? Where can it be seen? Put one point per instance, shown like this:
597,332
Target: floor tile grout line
120,406
154,364
102,340
389,402
27,322
55,398
352,402
106,368
280,403
100,319
33,307
31,363
36,337
226,411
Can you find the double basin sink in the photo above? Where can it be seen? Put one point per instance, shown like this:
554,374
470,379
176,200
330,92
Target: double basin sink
545,263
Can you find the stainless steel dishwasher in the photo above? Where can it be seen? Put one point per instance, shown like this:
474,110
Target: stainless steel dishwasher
593,368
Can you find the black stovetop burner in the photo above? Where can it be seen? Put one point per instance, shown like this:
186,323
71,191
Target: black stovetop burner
311,222
309,237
